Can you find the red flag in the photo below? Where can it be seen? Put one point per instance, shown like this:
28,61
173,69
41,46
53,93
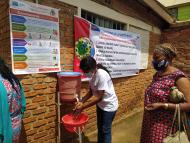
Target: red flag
82,33
81,28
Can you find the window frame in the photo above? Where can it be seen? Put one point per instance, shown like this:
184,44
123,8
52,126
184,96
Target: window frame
102,21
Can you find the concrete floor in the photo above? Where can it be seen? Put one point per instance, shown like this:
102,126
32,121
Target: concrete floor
125,131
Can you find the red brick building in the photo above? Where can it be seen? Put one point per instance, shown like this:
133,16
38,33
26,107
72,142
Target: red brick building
40,120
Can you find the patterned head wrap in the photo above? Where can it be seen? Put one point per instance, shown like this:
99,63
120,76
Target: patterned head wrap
167,50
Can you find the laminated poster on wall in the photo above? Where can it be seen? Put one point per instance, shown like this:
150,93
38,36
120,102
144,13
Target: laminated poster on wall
117,50
35,44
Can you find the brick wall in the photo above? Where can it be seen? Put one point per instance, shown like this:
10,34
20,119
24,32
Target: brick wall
5,51
180,37
40,120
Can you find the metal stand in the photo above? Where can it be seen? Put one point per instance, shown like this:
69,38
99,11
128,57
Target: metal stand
59,116
78,131
80,134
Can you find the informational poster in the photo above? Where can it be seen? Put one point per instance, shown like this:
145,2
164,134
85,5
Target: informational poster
35,43
118,51
144,45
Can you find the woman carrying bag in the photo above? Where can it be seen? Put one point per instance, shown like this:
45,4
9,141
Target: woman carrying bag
159,109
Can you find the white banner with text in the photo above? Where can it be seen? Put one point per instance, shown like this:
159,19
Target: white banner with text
117,50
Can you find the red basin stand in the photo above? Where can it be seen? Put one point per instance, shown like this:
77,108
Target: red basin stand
75,123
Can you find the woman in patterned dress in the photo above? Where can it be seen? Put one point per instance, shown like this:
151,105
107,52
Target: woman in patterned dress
159,111
12,105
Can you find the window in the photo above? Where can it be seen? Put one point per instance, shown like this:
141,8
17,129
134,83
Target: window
184,12
102,21
174,12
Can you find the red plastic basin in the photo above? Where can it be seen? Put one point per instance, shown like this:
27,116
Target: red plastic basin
71,122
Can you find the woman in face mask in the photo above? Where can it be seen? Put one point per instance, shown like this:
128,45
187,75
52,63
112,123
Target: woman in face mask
159,110
102,93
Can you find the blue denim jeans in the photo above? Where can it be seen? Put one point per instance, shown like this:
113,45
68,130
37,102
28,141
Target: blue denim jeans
104,124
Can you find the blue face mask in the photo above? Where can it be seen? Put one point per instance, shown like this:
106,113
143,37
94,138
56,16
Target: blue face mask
160,66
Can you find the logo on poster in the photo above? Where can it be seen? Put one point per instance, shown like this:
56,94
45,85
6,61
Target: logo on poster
84,47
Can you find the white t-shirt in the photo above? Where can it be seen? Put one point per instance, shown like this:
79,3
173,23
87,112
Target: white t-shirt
101,80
